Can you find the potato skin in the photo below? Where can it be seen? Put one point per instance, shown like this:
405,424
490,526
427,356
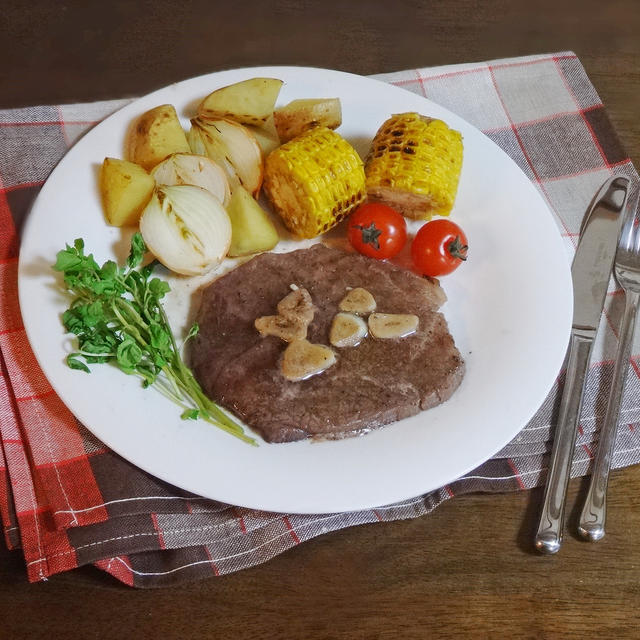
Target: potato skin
299,115
157,134
125,189
248,102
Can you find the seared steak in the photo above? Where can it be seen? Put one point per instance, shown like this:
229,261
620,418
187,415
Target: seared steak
377,382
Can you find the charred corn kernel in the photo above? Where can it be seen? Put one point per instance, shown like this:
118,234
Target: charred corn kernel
314,181
414,165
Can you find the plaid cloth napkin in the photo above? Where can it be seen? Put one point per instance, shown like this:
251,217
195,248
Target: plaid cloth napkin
68,501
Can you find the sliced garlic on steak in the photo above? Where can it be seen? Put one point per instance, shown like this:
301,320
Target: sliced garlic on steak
298,305
392,325
302,359
358,301
285,328
347,330
295,312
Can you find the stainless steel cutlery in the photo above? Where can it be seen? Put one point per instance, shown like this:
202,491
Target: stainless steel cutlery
590,272
627,273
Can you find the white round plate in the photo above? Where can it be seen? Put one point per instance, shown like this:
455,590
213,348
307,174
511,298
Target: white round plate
509,309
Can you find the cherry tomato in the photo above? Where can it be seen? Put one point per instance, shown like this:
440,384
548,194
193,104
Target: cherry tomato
377,231
440,246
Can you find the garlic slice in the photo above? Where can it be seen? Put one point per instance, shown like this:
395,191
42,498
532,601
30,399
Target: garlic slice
287,329
295,312
347,330
302,359
297,305
392,325
186,228
199,171
358,301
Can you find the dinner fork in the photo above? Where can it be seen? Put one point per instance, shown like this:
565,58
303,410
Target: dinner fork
627,273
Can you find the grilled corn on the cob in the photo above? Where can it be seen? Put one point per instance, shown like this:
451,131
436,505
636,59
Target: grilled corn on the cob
314,181
414,165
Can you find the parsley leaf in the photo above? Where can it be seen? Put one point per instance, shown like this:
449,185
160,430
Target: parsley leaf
116,316
138,249
195,328
75,363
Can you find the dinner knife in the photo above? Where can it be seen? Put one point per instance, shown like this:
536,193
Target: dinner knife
590,273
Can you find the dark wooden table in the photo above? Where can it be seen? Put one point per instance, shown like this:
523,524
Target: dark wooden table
466,570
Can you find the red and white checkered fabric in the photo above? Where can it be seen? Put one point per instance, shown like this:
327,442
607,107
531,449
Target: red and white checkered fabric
68,501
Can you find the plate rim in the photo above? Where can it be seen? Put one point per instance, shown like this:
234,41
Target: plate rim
260,70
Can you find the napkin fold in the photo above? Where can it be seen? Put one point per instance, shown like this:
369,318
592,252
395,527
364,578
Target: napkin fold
67,500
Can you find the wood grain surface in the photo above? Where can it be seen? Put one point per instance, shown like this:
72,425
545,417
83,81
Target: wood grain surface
468,569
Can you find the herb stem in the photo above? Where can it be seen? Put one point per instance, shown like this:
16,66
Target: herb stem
116,315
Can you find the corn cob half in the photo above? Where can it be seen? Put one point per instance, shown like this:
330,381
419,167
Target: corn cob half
314,181
414,165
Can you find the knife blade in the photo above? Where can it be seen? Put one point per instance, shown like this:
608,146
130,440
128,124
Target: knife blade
590,274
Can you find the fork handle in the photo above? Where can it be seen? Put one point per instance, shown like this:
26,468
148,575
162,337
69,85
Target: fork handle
594,511
550,527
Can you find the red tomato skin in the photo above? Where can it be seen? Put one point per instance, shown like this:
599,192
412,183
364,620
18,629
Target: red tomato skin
432,252
389,227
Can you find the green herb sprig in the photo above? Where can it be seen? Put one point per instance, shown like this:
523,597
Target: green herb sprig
117,317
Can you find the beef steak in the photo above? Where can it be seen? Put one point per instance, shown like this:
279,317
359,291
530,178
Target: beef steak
375,383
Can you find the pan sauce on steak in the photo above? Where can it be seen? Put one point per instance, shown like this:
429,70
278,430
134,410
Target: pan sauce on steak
375,383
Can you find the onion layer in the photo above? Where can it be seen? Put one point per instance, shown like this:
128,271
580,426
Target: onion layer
186,228
233,147
197,170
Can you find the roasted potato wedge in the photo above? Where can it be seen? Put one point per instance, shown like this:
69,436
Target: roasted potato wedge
157,134
294,118
125,188
251,228
248,102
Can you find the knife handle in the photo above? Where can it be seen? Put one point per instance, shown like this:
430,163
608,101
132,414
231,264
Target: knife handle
550,527
594,512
